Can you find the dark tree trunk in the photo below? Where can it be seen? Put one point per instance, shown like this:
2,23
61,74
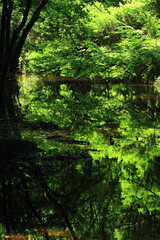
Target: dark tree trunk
16,49
11,44
2,32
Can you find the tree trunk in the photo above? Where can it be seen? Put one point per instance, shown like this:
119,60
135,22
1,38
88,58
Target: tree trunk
11,44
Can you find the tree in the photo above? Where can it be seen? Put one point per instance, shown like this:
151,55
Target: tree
17,19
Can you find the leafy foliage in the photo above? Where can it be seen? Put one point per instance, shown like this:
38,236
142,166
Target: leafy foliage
106,42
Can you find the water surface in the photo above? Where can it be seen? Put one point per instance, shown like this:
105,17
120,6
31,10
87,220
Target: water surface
86,164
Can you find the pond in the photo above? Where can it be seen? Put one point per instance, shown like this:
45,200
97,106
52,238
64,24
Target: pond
85,163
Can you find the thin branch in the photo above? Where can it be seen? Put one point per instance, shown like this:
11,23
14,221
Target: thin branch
60,208
143,186
29,201
23,22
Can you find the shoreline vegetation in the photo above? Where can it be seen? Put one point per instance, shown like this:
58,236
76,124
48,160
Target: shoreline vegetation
120,43
113,41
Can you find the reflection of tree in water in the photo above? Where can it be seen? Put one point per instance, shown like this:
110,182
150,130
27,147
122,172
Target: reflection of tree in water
64,175
14,153
46,190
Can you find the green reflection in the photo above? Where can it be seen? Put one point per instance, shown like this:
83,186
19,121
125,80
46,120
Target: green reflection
90,164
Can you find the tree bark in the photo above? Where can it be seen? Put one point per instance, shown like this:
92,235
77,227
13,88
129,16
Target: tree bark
2,32
11,45
26,30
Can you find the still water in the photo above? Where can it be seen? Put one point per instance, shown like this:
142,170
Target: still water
84,163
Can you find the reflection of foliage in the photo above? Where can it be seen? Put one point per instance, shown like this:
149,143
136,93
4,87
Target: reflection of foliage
96,171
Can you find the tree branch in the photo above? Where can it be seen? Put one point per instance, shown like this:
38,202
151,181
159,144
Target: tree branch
2,32
29,201
20,43
8,24
23,22
60,208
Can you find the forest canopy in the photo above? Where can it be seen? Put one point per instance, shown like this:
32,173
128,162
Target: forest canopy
99,39
96,39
